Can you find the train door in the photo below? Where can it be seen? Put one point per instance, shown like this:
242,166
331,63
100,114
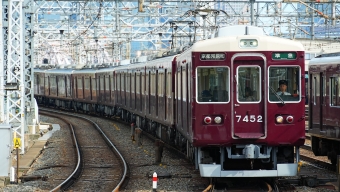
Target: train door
316,105
247,99
311,100
322,95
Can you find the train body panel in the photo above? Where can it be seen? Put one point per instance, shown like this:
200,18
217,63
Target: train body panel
106,83
82,82
58,90
58,83
138,89
120,74
39,82
105,90
85,90
324,105
218,101
158,92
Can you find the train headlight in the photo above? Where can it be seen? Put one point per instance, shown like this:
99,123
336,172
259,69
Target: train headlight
207,120
290,119
254,43
218,120
279,119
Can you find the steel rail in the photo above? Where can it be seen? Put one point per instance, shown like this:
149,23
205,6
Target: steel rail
107,140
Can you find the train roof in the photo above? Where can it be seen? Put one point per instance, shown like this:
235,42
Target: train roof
162,59
231,43
106,69
150,62
87,70
326,59
39,70
59,71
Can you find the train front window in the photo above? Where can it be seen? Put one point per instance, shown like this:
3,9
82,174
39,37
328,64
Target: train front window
284,84
248,84
212,84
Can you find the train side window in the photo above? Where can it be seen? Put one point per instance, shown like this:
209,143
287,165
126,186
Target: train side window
123,82
68,86
118,82
137,82
75,86
107,83
87,85
124,87
80,87
324,84
101,84
132,82
184,83
212,84
314,90
335,92
61,85
284,84
112,80
94,87
160,83
128,80
153,83
41,82
53,86
168,85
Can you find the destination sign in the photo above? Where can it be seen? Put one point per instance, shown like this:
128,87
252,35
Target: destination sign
284,55
212,56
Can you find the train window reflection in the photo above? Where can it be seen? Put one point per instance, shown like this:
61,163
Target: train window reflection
248,84
212,84
284,84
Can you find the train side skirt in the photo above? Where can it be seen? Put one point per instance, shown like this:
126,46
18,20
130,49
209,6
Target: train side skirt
215,170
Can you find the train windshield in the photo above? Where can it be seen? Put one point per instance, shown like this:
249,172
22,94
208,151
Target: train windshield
284,84
212,84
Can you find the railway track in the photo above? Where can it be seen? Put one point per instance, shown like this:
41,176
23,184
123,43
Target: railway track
181,171
188,181
100,166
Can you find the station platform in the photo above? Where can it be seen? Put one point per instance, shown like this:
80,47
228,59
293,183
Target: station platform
36,148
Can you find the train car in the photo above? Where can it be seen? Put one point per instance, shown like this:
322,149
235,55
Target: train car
228,107
85,90
145,95
129,91
324,105
58,91
120,91
39,85
158,95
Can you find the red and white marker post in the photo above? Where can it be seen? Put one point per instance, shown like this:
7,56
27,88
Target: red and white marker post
154,181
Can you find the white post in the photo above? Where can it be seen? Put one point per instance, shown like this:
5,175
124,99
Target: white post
12,178
33,129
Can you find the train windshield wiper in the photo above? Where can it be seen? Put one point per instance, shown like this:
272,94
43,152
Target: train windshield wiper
278,96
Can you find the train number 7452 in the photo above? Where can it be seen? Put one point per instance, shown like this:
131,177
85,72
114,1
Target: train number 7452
249,118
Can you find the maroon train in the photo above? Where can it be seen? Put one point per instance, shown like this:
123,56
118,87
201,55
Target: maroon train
217,101
324,105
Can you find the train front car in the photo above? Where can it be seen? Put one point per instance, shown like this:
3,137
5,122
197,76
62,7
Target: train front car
247,104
